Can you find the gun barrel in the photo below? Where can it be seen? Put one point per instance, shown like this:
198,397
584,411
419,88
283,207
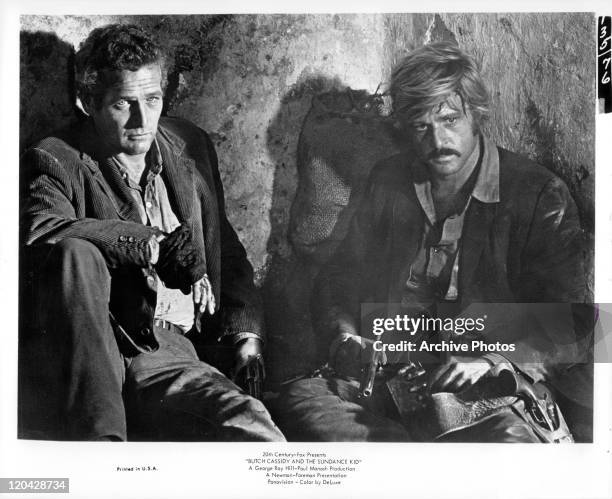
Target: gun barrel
254,388
367,383
369,376
254,376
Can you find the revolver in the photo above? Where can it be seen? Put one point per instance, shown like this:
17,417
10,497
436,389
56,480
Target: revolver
369,373
405,382
251,377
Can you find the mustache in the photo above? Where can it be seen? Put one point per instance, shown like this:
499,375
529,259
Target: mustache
436,153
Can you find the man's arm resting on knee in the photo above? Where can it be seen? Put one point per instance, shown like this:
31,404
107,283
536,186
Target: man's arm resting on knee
48,215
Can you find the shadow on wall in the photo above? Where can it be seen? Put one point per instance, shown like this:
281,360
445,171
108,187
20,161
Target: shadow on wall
46,103
46,85
343,135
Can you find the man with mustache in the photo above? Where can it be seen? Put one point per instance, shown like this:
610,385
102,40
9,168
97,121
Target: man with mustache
451,222
129,251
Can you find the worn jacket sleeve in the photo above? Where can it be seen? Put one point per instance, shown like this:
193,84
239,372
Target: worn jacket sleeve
52,209
240,306
556,322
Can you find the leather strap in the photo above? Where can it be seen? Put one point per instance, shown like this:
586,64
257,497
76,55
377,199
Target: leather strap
168,326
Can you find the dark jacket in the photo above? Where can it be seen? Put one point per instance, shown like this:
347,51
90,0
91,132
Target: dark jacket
73,191
526,248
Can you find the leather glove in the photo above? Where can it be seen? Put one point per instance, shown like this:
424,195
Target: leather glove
180,264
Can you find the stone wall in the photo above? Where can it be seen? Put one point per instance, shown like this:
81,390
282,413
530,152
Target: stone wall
249,80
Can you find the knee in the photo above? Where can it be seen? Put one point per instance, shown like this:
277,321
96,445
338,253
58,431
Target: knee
72,268
77,253
76,246
254,405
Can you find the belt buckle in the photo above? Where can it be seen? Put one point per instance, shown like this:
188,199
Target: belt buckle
162,323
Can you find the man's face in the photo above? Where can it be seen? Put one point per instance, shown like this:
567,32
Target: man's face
444,138
130,109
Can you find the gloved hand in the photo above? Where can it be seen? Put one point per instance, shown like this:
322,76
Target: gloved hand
180,264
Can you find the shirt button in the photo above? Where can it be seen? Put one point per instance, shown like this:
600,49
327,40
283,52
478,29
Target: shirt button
149,204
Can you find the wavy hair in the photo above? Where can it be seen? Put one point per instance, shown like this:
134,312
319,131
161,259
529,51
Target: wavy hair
113,47
430,74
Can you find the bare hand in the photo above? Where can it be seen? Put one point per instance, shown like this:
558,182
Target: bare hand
352,355
203,297
245,349
458,373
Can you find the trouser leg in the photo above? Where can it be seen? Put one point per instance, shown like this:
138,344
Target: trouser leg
505,427
328,409
183,398
76,372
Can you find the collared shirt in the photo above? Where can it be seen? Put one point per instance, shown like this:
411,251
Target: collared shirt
153,204
436,266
